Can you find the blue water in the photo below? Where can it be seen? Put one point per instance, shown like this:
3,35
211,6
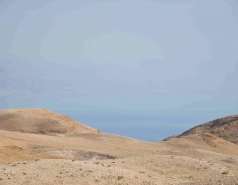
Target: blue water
144,127
147,128
139,125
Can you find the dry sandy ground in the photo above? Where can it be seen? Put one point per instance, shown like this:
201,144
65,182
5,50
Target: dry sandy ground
149,169
98,158
121,161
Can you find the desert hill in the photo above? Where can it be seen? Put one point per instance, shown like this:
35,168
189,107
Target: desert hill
40,121
38,146
225,128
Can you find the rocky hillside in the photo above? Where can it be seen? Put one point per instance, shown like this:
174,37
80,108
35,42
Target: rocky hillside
41,121
225,128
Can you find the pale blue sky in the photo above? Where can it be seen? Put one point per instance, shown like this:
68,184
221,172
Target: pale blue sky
160,58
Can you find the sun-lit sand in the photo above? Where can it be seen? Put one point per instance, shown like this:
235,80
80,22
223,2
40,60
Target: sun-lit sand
38,146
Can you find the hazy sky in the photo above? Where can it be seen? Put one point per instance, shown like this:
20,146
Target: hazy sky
153,57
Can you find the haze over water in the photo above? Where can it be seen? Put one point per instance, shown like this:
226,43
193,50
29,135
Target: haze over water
145,69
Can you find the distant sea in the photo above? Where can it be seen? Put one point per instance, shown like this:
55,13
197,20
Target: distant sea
147,128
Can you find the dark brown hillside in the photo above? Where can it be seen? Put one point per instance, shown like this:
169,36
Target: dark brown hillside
225,128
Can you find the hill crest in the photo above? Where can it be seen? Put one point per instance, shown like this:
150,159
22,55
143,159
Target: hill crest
225,128
41,121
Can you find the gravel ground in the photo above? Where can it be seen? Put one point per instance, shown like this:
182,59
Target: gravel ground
153,169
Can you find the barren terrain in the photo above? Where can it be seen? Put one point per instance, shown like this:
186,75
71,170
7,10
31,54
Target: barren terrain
38,146
226,128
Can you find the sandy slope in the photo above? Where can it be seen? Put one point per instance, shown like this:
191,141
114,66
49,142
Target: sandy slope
40,121
97,158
